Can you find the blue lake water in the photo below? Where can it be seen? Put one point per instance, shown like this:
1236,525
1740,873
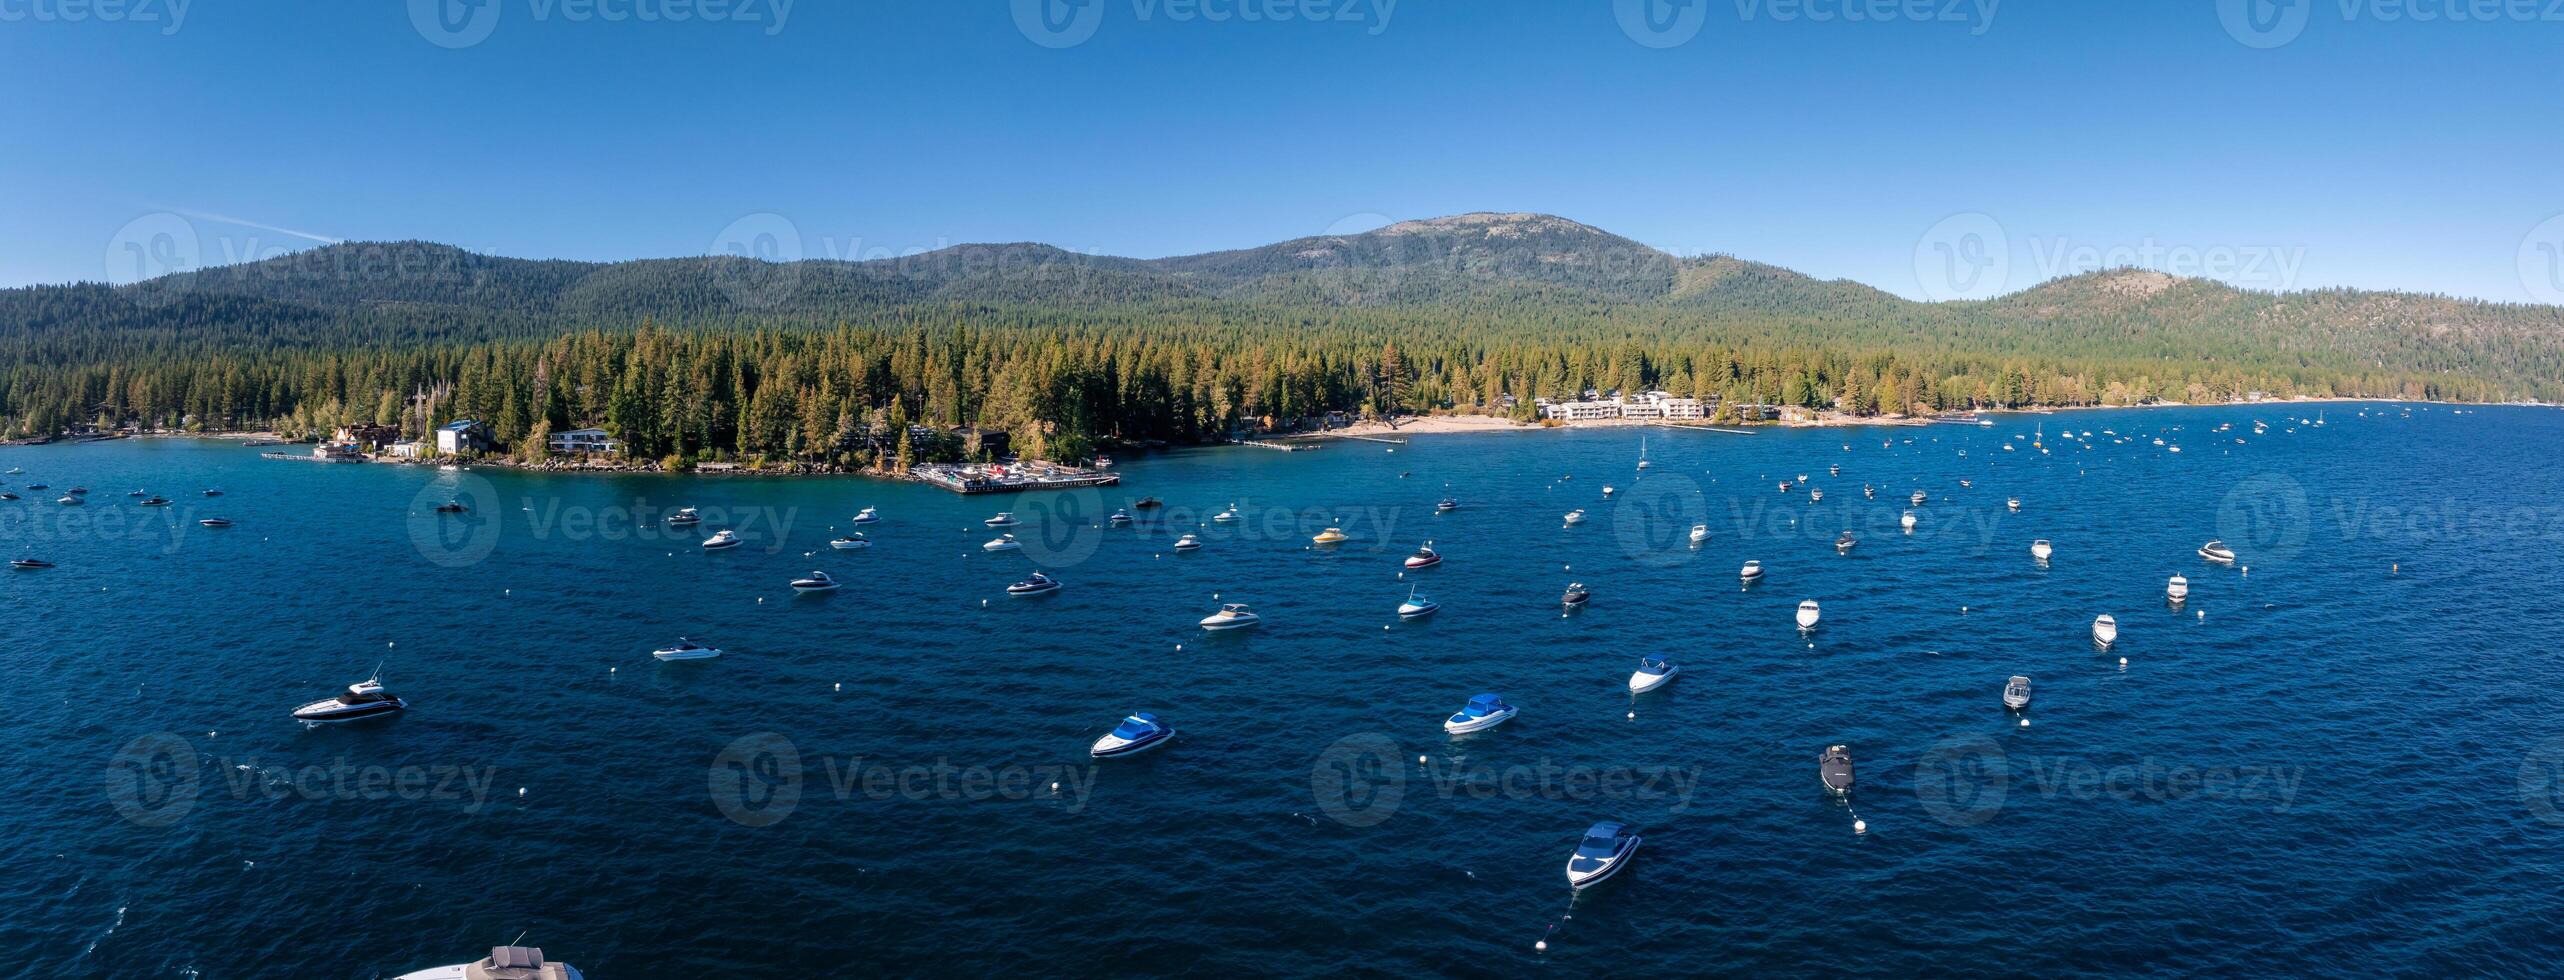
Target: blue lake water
2334,757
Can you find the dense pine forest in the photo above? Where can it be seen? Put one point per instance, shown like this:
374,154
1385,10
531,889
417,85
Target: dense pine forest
731,358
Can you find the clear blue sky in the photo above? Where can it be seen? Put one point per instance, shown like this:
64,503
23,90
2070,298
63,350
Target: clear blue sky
2363,152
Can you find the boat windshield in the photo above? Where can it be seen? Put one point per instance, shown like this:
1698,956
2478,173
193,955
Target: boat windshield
1133,728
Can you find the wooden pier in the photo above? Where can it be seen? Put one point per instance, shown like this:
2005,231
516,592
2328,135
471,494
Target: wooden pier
1011,479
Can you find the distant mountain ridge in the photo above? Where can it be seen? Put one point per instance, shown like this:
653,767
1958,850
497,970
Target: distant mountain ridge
1535,266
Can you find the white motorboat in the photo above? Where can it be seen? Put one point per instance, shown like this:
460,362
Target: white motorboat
1834,768
363,699
1575,517
1917,499
1004,518
503,963
1039,584
1606,848
1481,713
1608,491
1333,535
216,522
1700,533
1233,616
2105,630
1136,734
1417,605
2016,693
1816,496
849,542
2012,504
1425,557
1226,516
685,517
816,581
720,540
2217,551
1119,518
2041,549
1576,595
1002,542
867,516
2177,589
1807,613
68,500
1843,542
1447,505
1752,571
1907,520
30,564
685,649
1652,673
1869,492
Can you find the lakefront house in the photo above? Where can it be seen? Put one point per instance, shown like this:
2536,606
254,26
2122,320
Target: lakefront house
463,436
586,441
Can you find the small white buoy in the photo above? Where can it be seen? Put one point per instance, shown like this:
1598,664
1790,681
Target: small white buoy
1054,787
1419,760
983,602
1633,716
520,792
1860,826
2025,723
1541,946
612,669
1384,626
2203,614
841,685
2247,569
2123,661
761,600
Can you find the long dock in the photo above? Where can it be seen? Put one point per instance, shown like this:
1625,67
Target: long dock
1013,479
1288,447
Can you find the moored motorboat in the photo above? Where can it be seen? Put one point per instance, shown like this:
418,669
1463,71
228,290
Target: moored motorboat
2016,693
67,500
1333,535
2041,549
1003,519
1039,584
1425,557
1576,595
451,507
156,502
1906,521
685,517
2105,630
30,563
849,542
1187,543
1652,673
2177,589
1576,516
1834,768
1119,518
867,516
1481,713
685,649
1233,616
1700,533
215,522
1843,542
721,539
1136,734
1606,848
1807,614
816,581
1752,571
1917,499
2217,551
1002,542
1147,503
1446,506
1417,605
1869,492
2013,504
363,699
1816,496
1226,516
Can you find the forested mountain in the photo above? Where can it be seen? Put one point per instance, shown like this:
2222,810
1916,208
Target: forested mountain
731,355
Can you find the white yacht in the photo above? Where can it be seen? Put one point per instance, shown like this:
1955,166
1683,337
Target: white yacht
1700,533
1575,596
1816,496
2105,630
1606,848
2217,551
1233,616
1417,605
1119,518
2016,693
1608,491
1907,520
1425,557
720,540
1002,542
2012,504
1004,518
1843,542
816,581
685,517
2177,589
1575,516
1652,673
685,649
1226,516
2041,549
1481,713
867,516
1807,613
363,699
1039,584
1752,571
1917,499
1136,734
503,963
849,542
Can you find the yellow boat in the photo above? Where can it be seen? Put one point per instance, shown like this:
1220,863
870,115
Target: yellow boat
1333,535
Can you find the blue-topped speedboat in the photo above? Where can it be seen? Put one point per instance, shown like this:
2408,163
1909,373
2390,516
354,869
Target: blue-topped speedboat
1481,713
1136,734
1606,849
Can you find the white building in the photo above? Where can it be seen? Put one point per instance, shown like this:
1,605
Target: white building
1682,409
585,441
1587,411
